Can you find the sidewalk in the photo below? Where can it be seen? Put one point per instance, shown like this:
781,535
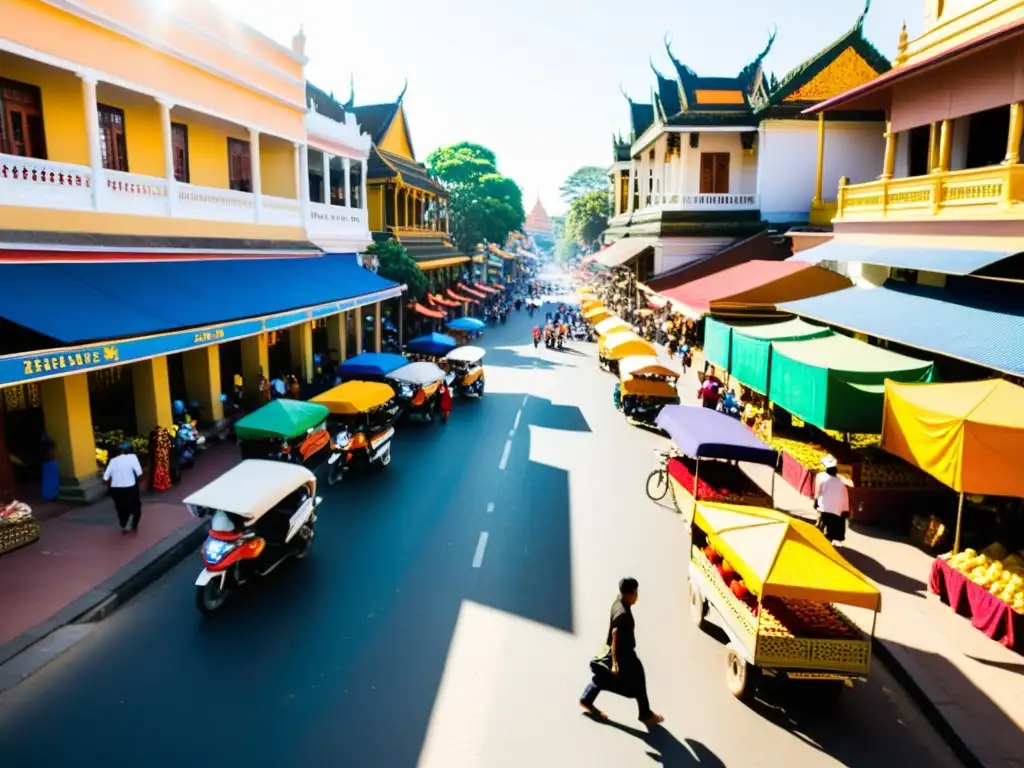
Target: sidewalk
82,564
970,687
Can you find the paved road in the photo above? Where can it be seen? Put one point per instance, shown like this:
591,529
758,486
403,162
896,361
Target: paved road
445,618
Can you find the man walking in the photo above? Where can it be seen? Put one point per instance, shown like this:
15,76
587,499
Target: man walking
620,670
122,475
832,500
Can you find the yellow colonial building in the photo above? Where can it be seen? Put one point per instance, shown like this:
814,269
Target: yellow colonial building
177,208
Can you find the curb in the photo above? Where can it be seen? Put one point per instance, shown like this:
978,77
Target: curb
108,596
890,657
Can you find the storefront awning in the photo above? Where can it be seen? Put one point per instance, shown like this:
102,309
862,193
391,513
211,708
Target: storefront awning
426,266
625,250
922,256
753,285
419,309
985,328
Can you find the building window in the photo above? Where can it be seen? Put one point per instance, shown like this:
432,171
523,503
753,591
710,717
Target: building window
21,120
179,149
355,175
113,146
239,166
917,151
714,173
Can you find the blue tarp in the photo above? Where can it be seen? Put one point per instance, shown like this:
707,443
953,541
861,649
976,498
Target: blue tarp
951,261
432,344
985,327
76,303
702,433
466,324
371,364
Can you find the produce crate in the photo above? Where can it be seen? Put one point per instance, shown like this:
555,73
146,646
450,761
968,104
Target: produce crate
15,535
734,610
717,481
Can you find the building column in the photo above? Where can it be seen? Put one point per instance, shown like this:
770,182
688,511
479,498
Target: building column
945,145
202,381
327,178
337,336
632,184
407,207
377,345
889,160
152,389
358,319
363,202
92,132
817,201
300,345
301,162
254,172
447,216
933,146
255,361
346,169
395,190
67,419
1014,136
168,146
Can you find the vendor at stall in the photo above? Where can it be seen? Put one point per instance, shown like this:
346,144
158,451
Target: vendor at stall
832,500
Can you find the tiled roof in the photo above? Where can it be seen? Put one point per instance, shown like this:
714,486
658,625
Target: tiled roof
375,119
641,116
325,103
384,165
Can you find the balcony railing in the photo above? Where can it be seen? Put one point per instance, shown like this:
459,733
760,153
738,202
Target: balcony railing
702,202
44,184
949,194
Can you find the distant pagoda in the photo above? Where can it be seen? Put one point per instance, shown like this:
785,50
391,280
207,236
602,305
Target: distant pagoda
538,223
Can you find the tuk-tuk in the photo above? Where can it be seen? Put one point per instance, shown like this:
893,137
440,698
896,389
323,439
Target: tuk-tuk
286,430
418,386
432,345
612,325
371,366
465,365
362,415
646,386
596,314
616,346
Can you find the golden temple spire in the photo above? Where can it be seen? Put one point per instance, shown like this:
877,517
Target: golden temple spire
901,47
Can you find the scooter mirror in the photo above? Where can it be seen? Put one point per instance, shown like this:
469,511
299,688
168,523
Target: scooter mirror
318,500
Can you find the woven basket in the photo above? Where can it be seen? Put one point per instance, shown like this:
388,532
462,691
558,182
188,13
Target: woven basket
14,535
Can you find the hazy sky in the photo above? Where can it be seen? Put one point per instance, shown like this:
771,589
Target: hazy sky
538,81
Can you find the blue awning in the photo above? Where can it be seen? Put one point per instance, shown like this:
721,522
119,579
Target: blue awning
86,302
985,328
925,258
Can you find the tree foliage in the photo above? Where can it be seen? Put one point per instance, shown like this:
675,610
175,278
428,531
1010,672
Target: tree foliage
484,204
589,178
398,266
587,218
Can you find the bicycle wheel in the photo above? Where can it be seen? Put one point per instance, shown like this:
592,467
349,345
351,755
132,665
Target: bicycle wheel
657,485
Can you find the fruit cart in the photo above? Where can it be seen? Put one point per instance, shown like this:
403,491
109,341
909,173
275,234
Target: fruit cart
18,527
773,583
710,445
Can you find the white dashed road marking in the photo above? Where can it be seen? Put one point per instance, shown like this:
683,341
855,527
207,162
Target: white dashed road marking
481,547
504,455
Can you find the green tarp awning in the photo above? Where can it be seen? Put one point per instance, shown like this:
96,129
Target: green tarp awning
835,382
281,419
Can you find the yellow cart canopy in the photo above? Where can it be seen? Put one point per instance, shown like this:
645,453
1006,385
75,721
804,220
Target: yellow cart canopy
355,397
619,347
645,365
968,435
649,388
782,556
612,325
591,303
596,315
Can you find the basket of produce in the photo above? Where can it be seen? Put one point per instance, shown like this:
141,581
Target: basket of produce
17,526
717,481
993,569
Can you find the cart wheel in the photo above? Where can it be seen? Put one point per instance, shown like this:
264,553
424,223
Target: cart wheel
698,606
740,676
657,485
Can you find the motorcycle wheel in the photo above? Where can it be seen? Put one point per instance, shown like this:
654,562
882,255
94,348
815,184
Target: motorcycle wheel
385,458
302,548
210,597
335,472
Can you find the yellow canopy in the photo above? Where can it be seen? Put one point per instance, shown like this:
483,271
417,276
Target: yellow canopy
649,388
645,365
781,556
586,291
621,345
588,304
612,325
355,397
968,435
605,342
597,314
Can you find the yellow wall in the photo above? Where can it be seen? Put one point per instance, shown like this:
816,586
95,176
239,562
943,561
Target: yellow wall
959,22
48,29
63,107
277,168
396,140
374,199
208,153
141,130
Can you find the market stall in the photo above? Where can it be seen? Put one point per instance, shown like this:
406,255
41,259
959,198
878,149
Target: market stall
774,583
970,437
710,444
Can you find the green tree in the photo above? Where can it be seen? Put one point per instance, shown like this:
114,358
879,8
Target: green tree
565,251
484,204
589,178
398,266
587,218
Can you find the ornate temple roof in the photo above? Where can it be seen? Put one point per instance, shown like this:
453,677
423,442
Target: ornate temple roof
324,103
376,119
537,220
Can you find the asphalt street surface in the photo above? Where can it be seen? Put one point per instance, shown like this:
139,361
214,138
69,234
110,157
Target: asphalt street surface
445,617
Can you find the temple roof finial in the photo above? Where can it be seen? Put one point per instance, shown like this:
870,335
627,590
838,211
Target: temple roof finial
623,92
864,13
351,103
654,69
401,96
901,47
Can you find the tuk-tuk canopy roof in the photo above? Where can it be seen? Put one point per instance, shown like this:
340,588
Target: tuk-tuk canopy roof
418,373
355,397
612,325
649,388
467,354
779,555
432,344
251,488
466,324
618,346
645,365
372,364
702,433
280,419
596,314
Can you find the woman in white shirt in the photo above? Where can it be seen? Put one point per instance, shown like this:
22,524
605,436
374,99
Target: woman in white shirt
832,500
122,476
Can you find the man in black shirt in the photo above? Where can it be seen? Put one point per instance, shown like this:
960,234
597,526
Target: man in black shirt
620,670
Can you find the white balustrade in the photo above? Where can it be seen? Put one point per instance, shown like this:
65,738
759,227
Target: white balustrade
213,204
44,184
133,193
705,202
281,211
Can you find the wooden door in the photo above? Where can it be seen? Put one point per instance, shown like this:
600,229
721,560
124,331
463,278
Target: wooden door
714,173
113,144
239,165
179,150
21,120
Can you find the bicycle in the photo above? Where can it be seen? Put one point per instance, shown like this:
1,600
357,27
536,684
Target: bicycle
660,477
